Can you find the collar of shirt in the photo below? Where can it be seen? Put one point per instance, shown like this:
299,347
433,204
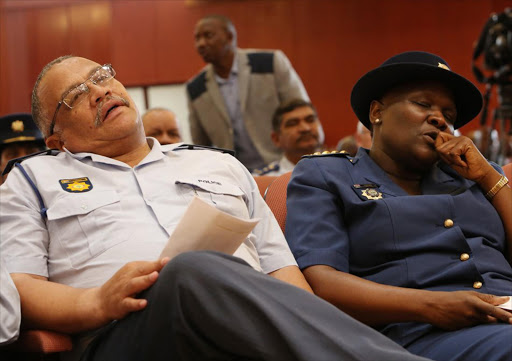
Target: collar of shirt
431,182
157,152
285,165
233,73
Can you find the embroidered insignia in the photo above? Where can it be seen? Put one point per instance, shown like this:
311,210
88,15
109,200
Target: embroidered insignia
209,181
76,185
367,185
341,153
371,193
274,166
17,126
443,66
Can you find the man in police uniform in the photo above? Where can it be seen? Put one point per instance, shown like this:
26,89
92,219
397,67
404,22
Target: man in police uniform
232,100
296,131
19,136
95,216
10,313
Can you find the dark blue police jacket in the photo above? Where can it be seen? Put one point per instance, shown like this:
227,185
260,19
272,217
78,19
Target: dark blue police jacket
347,213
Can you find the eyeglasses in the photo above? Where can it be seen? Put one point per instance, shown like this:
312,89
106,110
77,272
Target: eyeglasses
76,95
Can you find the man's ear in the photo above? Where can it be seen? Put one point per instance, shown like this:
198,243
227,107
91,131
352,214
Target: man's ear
376,109
54,142
231,36
276,138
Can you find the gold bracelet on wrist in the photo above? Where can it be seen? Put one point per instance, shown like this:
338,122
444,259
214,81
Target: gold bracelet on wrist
501,183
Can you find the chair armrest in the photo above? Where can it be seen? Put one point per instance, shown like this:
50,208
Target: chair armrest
42,341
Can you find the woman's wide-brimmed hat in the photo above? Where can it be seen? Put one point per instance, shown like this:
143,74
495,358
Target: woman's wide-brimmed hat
409,67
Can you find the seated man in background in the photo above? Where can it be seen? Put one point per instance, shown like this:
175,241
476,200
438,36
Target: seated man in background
86,260
19,136
348,144
363,136
351,143
161,123
296,130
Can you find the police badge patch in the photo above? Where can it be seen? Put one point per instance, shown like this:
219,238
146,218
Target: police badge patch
76,185
368,191
371,193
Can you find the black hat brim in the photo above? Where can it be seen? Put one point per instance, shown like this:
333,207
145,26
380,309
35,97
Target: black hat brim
374,84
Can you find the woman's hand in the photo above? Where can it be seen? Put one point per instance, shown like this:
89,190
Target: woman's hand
461,154
376,304
455,310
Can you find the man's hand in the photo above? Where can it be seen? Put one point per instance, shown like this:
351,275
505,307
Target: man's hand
117,297
455,310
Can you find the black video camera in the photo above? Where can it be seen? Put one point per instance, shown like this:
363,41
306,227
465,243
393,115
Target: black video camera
495,43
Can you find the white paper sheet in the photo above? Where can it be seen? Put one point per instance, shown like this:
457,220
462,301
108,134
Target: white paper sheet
507,305
204,227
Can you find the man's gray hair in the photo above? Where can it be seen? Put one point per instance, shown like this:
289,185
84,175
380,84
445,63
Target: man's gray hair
38,113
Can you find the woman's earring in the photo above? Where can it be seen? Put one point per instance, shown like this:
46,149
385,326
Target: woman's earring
377,121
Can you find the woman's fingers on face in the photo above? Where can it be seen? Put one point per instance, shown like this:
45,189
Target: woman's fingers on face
453,152
442,138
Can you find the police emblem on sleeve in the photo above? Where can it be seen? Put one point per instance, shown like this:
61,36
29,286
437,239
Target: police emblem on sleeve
76,185
371,193
368,191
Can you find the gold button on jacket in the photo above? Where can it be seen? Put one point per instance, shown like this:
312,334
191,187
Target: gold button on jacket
448,223
477,284
464,257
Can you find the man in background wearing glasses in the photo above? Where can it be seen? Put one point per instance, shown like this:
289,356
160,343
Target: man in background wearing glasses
81,232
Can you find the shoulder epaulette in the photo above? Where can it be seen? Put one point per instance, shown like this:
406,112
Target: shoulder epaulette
274,166
261,62
12,162
203,147
334,153
197,86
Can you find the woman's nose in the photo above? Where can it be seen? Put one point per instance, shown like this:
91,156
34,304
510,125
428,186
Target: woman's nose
438,120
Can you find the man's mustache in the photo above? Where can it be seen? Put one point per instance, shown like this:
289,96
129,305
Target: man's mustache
307,135
98,120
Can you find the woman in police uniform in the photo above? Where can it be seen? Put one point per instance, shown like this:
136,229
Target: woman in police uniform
414,236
